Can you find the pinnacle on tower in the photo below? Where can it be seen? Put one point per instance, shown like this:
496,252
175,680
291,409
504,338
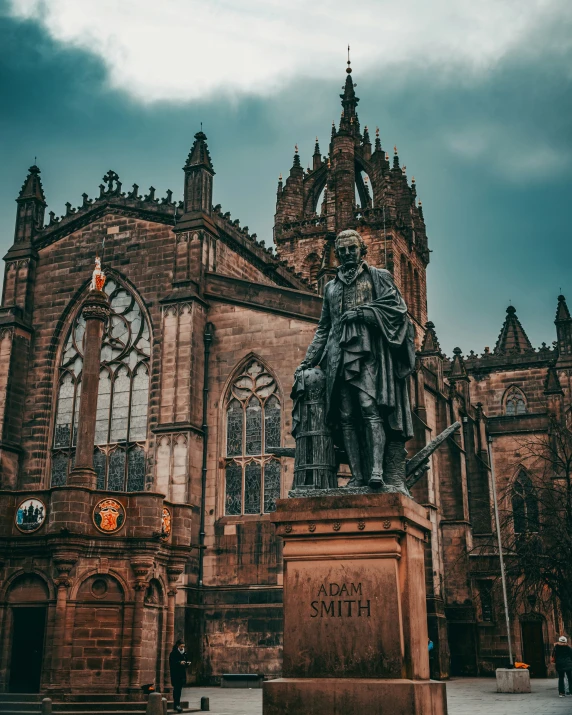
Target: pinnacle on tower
512,338
395,158
563,324
199,154
377,140
31,207
552,384
199,174
430,345
458,370
349,121
296,162
317,157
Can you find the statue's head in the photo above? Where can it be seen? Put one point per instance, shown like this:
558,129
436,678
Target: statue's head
350,248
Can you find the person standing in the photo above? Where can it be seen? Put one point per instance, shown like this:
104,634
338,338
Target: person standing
562,658
178,666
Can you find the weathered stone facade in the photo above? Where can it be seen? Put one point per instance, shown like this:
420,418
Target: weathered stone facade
207,328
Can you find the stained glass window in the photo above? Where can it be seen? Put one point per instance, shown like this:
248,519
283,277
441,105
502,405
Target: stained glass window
253,430
122,402
271,485
233,502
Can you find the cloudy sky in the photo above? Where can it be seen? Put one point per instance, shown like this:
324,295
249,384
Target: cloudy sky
476,96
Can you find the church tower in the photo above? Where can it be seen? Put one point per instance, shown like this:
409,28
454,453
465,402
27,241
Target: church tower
354,186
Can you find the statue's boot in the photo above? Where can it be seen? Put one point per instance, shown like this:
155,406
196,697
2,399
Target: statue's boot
395,478
375,440
351,444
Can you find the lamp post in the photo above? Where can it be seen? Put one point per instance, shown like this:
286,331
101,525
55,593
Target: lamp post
499,538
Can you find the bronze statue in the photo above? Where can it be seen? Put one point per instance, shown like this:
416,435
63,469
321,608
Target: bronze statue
364,343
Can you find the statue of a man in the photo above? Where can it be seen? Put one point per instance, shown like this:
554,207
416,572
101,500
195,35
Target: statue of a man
365,345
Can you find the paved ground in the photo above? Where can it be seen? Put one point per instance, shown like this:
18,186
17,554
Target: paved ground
466,696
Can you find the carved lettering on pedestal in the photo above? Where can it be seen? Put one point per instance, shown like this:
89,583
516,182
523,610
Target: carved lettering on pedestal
341,607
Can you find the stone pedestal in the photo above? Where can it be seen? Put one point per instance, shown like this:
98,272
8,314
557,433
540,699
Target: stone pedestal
355,621
513,680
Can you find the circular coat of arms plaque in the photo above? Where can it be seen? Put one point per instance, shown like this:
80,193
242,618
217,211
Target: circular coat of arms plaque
30,515
109,516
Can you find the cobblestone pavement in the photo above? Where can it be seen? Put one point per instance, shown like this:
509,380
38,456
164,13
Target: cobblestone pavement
465,696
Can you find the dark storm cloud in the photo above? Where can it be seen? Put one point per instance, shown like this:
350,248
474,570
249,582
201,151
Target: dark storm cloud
491,156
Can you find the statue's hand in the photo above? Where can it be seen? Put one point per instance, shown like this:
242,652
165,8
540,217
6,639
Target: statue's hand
350,316
304,365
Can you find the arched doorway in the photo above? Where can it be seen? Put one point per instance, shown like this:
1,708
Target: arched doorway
28,608
533,646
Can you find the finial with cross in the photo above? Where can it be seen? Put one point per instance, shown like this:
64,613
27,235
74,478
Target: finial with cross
110,178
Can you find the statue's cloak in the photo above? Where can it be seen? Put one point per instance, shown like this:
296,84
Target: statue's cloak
386,338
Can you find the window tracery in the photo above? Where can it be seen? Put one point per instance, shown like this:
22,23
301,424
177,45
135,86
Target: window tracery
253,428
122,403
515,402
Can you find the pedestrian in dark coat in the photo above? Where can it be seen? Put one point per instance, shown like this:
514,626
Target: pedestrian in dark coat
562,658
178,666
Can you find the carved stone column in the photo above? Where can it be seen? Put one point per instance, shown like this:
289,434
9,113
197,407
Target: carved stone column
141,567
173,574
96,312
60,664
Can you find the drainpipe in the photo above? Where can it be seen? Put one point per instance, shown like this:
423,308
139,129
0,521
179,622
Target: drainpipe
208,339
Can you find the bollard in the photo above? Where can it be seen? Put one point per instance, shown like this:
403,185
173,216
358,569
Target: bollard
155,704
47,706
205,704
164,703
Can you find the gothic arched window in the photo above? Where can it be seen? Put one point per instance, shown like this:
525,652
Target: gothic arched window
524,504
515,402
121,419
253,429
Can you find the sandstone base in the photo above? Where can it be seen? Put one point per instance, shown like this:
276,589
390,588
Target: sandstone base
513,680
353,696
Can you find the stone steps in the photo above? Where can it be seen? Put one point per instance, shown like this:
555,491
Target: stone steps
89,704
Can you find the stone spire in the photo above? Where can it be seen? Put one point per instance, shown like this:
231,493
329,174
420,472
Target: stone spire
512,338
199,174
31,207
349,121
296,160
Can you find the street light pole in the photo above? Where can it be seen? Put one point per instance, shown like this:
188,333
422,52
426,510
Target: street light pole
499,538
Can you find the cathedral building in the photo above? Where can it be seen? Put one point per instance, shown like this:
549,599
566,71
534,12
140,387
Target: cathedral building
156,523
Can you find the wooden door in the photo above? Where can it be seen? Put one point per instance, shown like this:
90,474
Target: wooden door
533,648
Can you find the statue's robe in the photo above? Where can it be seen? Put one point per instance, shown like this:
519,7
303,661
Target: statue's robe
376,355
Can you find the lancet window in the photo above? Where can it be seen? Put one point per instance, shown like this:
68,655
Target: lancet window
122,404
253,429
524,505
